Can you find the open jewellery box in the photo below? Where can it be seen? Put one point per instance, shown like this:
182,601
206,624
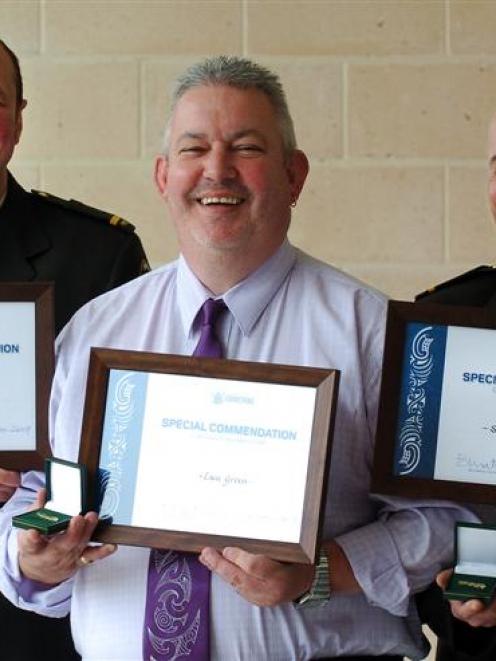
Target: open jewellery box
474,576
66,497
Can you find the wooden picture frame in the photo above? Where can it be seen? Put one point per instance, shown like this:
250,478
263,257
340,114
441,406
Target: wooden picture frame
437,414
26,366
125,388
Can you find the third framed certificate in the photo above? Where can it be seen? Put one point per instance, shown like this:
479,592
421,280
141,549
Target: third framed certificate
436,435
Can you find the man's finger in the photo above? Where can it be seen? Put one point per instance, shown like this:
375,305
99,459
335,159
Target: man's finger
465,610
93,553
443,578
9,478
40,500
6,493
214,561
257,566
30,541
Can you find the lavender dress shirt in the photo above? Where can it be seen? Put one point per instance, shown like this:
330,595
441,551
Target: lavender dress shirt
294,310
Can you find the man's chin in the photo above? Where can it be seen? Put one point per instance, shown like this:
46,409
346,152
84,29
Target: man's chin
223,242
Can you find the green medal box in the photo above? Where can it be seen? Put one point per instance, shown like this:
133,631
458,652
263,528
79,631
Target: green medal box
66,497
474,576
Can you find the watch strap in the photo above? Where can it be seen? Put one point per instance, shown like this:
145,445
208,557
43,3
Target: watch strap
320,590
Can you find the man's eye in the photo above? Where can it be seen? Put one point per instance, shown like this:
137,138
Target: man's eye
248,148
195,149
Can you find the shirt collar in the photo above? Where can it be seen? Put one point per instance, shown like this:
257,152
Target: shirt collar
246,300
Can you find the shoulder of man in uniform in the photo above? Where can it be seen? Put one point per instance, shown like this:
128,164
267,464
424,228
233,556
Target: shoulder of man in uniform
78,207
468,276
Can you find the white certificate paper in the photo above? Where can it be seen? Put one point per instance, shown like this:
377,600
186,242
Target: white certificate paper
466,447
17,376
223,457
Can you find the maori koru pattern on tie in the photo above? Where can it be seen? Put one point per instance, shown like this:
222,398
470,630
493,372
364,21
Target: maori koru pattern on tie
175,628
178,589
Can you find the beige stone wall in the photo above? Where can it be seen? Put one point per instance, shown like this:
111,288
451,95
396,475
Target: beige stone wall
391,99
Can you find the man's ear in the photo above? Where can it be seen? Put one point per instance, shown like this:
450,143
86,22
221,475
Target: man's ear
18,128
161,173
297,169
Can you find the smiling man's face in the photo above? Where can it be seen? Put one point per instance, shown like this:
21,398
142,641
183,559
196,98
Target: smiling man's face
226,179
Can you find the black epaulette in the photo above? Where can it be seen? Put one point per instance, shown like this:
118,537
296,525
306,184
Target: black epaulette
79,207
464,277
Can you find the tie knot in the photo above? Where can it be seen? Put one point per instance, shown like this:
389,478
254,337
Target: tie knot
210,311
209,344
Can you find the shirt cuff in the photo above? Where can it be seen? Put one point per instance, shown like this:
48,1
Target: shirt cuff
52,601
377,567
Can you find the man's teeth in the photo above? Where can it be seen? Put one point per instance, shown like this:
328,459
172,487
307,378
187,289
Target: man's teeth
220,200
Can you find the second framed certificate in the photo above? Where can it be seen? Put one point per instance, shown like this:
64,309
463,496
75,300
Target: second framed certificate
436,434
26,370
196,452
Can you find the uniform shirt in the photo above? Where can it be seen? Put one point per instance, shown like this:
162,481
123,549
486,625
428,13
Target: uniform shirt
74,246
292,310
458,641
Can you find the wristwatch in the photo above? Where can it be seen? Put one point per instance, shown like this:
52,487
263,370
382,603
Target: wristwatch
320,590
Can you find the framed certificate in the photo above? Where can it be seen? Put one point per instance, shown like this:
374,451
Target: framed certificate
26,370
194,452
436,433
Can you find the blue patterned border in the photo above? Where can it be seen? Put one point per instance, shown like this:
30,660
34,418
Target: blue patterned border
121,439
420,400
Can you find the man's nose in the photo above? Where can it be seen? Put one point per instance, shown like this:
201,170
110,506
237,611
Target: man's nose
219,165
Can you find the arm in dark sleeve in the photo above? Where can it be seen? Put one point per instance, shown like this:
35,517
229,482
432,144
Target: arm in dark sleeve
129,264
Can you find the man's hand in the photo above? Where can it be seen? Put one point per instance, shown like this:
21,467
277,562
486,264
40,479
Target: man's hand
53,559
472,611
260,580
9,481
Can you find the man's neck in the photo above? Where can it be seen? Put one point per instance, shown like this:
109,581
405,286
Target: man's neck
220,271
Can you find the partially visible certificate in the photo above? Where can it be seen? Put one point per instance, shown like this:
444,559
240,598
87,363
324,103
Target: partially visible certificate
199,455
26,370
436,432
466,447
17,376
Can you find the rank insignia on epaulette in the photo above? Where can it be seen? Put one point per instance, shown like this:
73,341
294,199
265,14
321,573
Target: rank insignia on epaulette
464,277
144,266
75,205
117,221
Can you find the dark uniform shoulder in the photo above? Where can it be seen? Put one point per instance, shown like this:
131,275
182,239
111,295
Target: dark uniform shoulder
474,284
79,208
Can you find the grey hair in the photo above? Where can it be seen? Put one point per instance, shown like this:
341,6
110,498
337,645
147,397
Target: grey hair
242,74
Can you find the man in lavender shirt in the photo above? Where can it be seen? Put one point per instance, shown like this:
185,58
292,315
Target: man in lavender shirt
230,173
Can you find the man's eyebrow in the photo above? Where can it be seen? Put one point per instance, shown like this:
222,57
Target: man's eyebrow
191,135
243,133
247,133
492,161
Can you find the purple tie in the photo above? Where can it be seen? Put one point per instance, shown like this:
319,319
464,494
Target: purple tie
209,345
178,590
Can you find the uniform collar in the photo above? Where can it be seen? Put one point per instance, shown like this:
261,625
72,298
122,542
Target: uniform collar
22,235
246,300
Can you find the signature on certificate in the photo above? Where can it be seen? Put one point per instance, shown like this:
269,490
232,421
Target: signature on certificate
224,480
474,465
15,429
